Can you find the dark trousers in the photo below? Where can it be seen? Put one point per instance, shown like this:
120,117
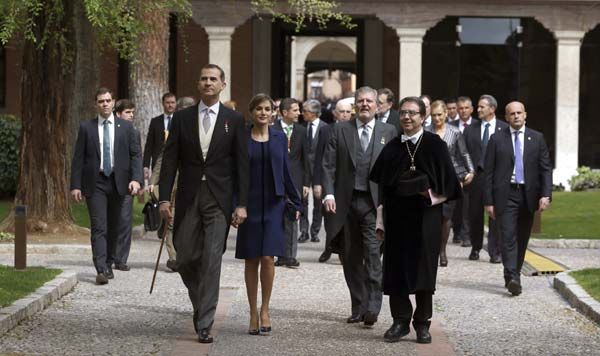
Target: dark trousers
123,245
362,263
199,240
317,218
402,308
460,219
290,228
104,207
515,228
476,216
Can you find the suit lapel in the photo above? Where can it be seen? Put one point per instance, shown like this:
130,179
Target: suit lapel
117,137
218,131
378,142
195,120
96,136
350,136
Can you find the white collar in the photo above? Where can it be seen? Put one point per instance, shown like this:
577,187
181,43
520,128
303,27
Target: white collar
214,108
284,125
110,119
370,124
521,130
414,138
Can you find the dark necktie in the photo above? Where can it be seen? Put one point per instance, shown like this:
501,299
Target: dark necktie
484,141
169,123
106,166
310,133
518,159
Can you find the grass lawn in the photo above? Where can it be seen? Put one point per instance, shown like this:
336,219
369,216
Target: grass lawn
80,213
15,285
589,279
572,215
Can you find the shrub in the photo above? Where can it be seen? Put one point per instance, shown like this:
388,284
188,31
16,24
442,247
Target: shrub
585,179
10,130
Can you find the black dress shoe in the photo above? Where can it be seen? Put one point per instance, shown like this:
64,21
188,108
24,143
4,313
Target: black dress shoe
122,267
204,336
474,256
109,273
172,265
354,318
423,335
303,238
315,239
370,318
495,259
195,318
265,329
466,243
443,260
101,279
514,287
292,262
325,256
281,261
396,331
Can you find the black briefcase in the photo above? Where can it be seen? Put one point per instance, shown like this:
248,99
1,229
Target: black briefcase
151,214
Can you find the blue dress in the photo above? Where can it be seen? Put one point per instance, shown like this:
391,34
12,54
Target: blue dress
262,234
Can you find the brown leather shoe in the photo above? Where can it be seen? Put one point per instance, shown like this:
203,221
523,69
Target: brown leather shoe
101,279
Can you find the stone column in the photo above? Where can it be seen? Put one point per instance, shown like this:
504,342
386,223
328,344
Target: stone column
219,53
411,46
568,46
293,64
261,56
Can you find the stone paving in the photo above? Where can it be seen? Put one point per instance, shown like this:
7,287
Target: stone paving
308,311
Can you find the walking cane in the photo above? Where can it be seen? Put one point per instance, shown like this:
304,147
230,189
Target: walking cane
162,242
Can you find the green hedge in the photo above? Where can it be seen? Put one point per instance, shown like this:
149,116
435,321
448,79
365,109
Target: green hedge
585,179
10,130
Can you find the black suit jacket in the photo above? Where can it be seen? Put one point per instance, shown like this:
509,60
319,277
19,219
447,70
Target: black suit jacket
127,160
500,162
339,167
297,155
155,140
315,153
456,122
393,119
226,166
472,136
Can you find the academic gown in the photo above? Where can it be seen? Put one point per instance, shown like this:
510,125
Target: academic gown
412,225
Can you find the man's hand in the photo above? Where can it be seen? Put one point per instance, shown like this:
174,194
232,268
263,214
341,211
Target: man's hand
380,235
165,211
239,216
76,194
305,191
489,209
134,187
330,205
468,178
146,173
544,204
317,191
297,215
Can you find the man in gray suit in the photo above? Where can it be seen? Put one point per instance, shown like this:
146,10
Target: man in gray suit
351,201
317,133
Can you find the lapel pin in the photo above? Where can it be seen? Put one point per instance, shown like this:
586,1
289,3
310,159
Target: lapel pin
226,126
529,138
118,125
383,140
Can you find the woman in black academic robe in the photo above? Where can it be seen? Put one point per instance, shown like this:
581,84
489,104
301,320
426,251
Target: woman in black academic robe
412,217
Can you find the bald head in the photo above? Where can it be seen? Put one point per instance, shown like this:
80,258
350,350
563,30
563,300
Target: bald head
515,114
343,111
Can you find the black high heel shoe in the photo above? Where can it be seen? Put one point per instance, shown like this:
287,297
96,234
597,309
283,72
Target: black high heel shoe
254,331
266,329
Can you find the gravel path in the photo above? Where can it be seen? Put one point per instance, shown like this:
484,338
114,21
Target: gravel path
309,308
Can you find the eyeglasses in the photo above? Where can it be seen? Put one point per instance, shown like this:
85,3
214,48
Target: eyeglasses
410,113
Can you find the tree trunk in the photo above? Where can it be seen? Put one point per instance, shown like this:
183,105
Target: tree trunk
43,185
149,77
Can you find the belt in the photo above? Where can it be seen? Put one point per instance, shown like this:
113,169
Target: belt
517,186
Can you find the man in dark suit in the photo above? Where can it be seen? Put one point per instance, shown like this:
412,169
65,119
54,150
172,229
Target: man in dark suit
351,201
297,152
460,219
107,165
156,133
208,146
317,134
477,137
385,111
518,181
125,109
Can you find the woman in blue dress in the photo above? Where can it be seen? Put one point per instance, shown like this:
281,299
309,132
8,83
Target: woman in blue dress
261,236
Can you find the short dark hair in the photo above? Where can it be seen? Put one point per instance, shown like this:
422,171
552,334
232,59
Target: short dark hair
124,104
259,98
168,95
425,96
388,93
416,100
102,91
287,103
214,66
450,101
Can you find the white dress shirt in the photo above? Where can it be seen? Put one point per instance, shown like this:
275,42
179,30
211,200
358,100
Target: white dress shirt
522,139
414,138
491,129
111,131
315,125
205,137
461,124
360,128
166,120
385,116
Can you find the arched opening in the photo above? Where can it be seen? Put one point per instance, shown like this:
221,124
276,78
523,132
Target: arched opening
589,97
330,71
